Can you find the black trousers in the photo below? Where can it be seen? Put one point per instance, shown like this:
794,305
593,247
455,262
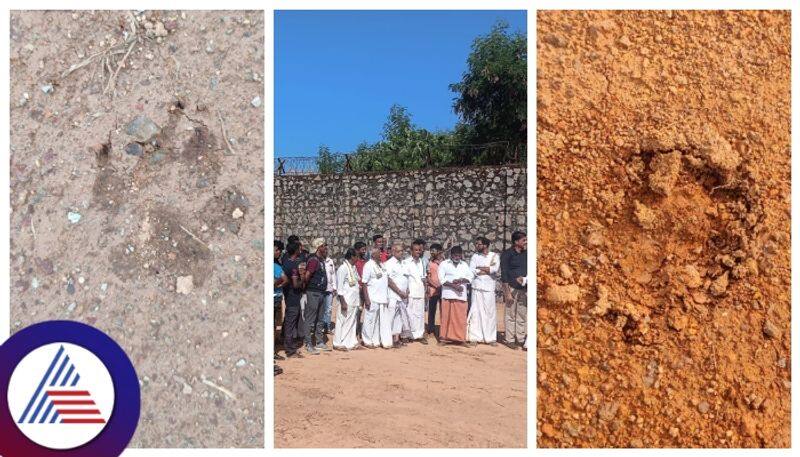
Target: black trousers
432,302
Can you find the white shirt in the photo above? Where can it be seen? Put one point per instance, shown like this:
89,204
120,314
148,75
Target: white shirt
330,272
399,276
377,282
449,273
347,284
416,273
486,283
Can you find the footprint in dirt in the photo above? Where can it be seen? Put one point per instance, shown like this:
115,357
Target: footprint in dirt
693,216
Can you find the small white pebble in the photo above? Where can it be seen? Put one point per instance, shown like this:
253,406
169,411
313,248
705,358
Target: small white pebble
74,217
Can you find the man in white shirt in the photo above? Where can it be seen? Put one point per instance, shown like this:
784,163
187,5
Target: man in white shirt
482,319
454,275
348,300
330,270
377,328
398,296
417,281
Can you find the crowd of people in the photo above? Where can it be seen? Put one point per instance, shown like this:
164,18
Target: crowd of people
388,297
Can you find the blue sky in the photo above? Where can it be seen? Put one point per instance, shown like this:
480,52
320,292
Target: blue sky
338,72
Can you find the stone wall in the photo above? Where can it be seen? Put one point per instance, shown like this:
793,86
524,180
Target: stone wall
450,206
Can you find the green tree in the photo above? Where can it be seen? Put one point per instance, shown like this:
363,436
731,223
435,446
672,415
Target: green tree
492,94
403,146
328,162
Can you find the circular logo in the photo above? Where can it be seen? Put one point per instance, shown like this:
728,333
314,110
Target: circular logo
70,390
65,384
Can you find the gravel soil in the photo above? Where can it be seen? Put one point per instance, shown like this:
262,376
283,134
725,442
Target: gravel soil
137,204
663,229
414,397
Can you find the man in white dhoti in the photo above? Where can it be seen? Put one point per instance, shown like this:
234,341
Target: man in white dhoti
398,296
417,281
377,328
482,319
348,300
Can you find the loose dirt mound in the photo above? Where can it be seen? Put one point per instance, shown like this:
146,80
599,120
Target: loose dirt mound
663,191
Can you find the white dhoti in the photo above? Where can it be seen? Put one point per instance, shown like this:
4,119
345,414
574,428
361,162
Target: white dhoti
371,329
401,324
344,336
482,319
385,319
416,316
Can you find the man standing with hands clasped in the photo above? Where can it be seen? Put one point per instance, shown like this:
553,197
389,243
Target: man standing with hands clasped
482,320
454,275
398,296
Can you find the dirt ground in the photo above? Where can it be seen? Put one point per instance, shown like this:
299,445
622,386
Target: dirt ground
414,397
149,230
663,229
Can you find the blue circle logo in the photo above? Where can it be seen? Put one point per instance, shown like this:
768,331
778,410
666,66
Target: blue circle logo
66,389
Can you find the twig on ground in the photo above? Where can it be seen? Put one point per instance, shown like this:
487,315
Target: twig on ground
112,81
225,391
225,133
104,57
194,237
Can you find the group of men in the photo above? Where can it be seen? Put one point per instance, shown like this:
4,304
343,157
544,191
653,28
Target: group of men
381,296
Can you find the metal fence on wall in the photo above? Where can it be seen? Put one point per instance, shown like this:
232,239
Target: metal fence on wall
503,153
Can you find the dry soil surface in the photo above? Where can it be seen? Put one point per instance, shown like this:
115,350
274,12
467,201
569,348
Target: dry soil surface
414,397
152,233
663,229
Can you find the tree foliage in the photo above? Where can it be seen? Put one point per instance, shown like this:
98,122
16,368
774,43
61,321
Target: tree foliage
492,94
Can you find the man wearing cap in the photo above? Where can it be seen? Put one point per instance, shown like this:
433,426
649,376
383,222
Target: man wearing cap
315,280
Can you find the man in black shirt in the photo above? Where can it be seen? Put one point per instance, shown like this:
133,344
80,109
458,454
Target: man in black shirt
292,293
514,273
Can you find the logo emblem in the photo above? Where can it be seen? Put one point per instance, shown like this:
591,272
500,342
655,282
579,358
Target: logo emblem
71,399
70,390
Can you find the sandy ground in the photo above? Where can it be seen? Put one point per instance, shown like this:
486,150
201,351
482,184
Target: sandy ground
663,229
102,228
414,397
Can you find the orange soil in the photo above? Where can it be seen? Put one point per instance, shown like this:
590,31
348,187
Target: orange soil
664,250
